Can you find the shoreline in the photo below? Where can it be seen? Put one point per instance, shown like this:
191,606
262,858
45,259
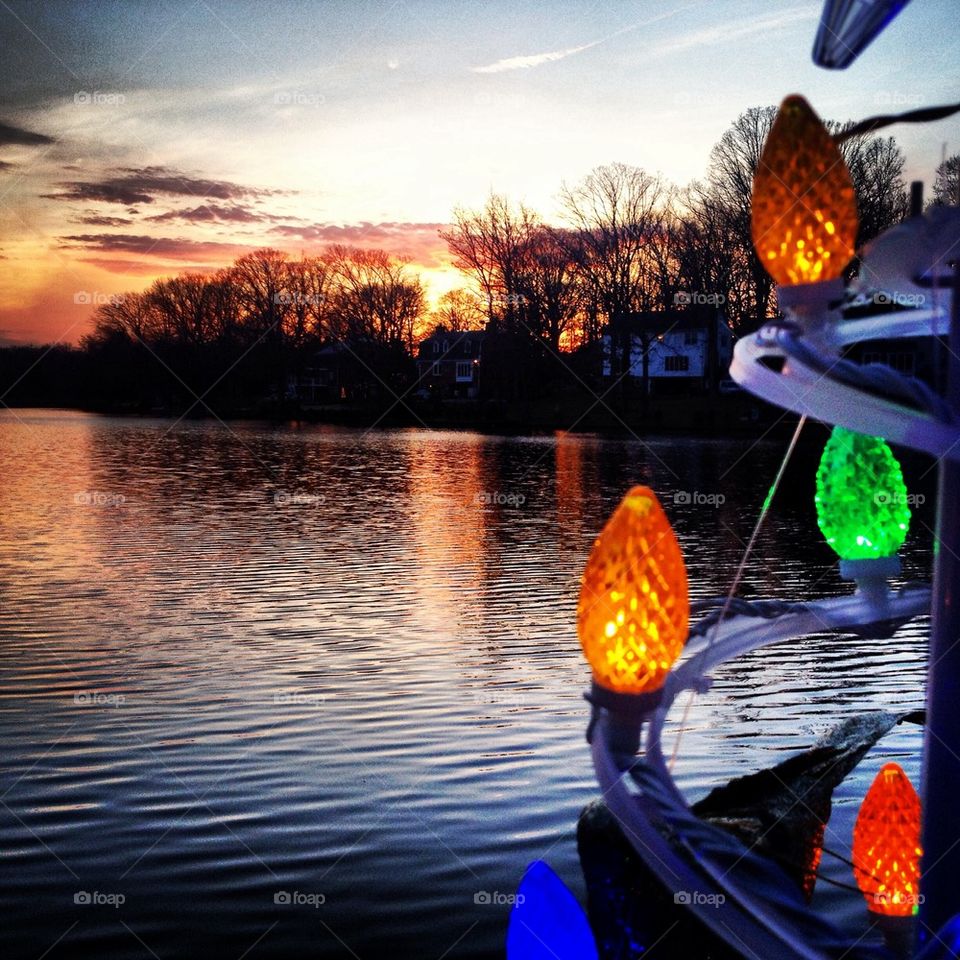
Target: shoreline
700,416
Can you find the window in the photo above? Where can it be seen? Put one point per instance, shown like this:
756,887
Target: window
902,362
676,364
436,370
467,346
691,337
446,345
436,346
464,370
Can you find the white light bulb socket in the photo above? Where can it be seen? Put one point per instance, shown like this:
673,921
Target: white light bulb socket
626,713
871,569
812,304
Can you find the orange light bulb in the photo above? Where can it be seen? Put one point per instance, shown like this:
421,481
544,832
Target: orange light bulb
804,222
886,844
633,614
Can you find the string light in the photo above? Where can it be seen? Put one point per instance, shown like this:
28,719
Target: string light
886,844
861,498
633,614
804,210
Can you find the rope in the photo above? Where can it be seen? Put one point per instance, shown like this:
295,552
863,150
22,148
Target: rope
764,510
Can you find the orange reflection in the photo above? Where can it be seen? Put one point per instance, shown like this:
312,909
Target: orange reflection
447,505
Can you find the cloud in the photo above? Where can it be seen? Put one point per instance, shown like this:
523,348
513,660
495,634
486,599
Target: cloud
141,185
95,221
175,247
146,268
114,192
20,137
727,32
536,59
211,212
420,241
532,60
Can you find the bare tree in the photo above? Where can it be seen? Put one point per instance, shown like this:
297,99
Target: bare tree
261,279
616,214
457,310
549,285
876,166
946,185
727,196
375,298
307,287
490,246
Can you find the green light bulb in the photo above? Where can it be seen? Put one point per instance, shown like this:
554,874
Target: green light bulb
861,497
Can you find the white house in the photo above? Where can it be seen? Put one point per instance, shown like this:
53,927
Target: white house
674,351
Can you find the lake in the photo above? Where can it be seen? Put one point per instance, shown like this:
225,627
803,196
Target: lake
279,691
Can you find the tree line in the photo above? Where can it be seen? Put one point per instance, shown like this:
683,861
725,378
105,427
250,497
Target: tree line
630,242
626,240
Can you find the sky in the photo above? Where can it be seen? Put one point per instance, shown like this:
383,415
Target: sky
143,139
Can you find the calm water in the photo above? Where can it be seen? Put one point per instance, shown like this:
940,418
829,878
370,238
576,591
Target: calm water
242,661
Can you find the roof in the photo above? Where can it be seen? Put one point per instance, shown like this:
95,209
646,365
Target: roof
660,321
455,335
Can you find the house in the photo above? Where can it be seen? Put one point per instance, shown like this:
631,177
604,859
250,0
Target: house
922,357
449,364
672,351
352,372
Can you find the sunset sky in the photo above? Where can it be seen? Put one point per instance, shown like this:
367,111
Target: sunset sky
142,139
